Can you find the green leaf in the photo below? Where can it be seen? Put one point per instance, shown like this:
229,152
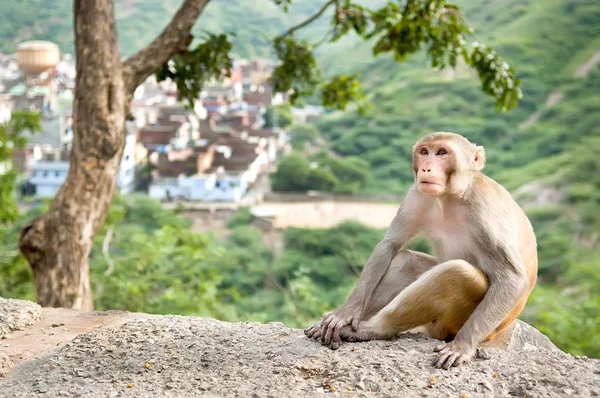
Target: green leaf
192,69
297,70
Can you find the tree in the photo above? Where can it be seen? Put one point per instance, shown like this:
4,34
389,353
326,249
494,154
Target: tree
291,174
302,133
278,116
321,179
57,245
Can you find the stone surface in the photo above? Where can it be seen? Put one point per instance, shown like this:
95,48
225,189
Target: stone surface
16,315
140,355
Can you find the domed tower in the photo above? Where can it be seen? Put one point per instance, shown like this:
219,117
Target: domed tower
38,60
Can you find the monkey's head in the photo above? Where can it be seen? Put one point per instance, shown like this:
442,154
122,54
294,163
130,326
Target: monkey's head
445,163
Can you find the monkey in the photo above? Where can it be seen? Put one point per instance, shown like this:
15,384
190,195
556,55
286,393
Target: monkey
477,282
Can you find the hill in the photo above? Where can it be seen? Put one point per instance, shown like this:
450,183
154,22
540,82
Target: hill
139,21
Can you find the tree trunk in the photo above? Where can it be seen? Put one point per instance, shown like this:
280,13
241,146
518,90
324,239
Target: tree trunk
57,245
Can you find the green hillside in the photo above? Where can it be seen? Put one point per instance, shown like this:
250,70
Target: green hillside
139,21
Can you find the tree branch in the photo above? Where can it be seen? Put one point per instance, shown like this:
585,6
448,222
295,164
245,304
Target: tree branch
308,21
174,38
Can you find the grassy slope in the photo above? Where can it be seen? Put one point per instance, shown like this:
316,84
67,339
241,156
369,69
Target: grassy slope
412,99
138,22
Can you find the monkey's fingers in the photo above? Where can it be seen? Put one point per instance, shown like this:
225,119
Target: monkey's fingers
439,347
355,324
316,334
441,358
336,340
327,318
451,361
313,332
331,328
335,344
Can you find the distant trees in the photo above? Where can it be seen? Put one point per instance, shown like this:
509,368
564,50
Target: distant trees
345,175
278,116
303,133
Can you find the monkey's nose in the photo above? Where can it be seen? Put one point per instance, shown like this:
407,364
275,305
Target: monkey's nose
427,171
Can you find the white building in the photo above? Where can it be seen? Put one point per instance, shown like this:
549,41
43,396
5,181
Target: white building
6,107
48,175
217,186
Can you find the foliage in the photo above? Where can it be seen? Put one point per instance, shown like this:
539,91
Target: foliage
321,179
191,70
291,175
143,259
297,72
242,216
303,133
342,90
570,317
11,137
329,174
278,116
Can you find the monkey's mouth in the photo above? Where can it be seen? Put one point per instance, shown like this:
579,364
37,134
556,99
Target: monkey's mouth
429,182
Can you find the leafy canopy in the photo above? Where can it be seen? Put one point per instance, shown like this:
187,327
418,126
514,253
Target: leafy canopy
400,27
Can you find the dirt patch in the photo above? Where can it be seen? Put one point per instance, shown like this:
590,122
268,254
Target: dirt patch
55,328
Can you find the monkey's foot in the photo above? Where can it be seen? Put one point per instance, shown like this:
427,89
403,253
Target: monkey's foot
347,334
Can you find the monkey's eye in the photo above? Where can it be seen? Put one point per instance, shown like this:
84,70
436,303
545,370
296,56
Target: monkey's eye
423,151
442,152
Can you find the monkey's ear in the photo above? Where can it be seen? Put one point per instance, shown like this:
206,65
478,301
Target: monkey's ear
479,159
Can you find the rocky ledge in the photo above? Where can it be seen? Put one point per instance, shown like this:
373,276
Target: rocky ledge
140,355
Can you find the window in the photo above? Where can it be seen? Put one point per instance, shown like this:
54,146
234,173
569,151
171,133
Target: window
45,174
57,173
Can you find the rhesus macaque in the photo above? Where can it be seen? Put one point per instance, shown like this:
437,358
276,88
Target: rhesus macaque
484,268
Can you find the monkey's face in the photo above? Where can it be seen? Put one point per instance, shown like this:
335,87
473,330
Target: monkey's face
433,164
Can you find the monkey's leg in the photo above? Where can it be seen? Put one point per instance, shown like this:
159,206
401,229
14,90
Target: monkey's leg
404,269
442,298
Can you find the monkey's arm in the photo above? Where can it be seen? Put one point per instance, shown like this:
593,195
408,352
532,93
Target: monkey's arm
402,229
507,284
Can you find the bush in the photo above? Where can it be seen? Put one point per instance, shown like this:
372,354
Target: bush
291,175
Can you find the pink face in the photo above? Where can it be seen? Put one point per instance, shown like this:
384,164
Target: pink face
433,164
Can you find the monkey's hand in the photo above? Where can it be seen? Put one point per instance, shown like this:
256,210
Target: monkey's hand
452,354
333,322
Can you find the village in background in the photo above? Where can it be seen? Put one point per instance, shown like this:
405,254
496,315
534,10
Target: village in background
219,151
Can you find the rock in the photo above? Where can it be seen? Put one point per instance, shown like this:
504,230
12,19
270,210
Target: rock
189,356
16,315
5,364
